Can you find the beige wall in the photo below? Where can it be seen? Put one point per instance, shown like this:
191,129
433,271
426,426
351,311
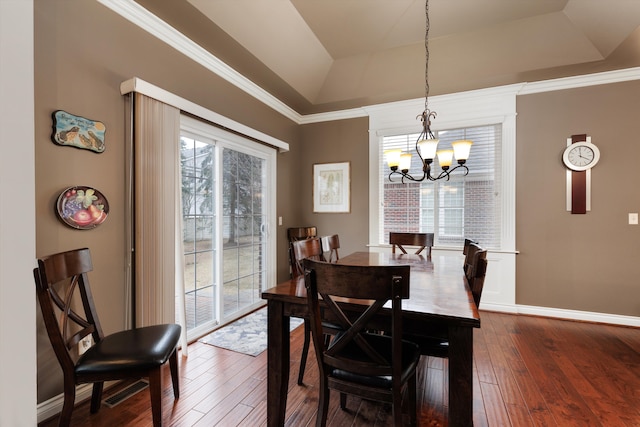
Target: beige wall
83,51
580,262
334,142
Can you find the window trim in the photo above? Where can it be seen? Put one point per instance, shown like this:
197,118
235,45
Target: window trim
459,110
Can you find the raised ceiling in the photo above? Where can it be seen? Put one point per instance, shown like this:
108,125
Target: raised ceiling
318,55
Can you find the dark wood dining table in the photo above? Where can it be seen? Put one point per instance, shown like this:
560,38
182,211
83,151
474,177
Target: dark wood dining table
439,302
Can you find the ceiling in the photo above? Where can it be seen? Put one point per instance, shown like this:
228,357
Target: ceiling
318,55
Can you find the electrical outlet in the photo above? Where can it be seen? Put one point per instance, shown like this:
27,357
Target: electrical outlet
84,344
633,218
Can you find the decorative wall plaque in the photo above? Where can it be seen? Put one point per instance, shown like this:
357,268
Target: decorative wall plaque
79,132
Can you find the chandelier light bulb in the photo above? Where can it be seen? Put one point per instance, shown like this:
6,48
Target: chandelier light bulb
461,150
445,158
405,161
393,157
428,147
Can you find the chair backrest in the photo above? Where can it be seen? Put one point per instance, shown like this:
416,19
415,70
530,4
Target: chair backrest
301,233
477,274
294,234
422,240
60,280
472,248
467,242
331,244
303,249
333,282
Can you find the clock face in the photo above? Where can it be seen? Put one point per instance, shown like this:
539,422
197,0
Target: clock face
581,156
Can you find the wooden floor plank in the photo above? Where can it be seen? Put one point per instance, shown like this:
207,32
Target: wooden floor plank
527,371
533,400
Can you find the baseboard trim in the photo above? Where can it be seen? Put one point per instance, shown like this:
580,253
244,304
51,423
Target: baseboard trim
53,406
559,313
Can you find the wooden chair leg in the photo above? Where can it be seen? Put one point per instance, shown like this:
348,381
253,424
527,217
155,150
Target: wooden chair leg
412,395
69,402
343,401
173,365
305,350
155,391
96,396
396,407
323,404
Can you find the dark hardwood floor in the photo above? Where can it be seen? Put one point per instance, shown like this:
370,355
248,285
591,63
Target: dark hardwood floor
529,371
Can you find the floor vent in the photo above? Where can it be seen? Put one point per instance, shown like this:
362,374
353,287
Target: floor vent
126,393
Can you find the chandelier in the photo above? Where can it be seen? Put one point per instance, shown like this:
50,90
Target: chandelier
427,143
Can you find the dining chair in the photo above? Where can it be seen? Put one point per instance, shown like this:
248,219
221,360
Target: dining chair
469,258
330,246
477,275
295,234
70,315
421,240
372,366
310,248
303,249
437,345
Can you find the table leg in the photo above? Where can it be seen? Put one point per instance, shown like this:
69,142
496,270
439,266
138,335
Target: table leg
460,376
277,363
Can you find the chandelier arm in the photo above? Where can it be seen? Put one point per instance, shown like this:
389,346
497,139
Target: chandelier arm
466,169
405,176
411,178
443,174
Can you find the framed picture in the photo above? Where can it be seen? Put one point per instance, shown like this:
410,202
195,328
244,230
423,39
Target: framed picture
331,187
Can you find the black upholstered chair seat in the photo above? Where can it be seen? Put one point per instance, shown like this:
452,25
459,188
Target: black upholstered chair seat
133,350
432,346
382,345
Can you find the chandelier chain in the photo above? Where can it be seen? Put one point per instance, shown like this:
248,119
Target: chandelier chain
426,64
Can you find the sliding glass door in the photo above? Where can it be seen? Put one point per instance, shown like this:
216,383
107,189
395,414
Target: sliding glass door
227,214
243,239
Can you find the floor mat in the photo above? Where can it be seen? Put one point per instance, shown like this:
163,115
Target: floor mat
247,335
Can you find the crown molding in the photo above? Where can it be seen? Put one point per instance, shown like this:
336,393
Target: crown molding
333,115
573,82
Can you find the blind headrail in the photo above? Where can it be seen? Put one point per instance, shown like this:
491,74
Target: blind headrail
138,85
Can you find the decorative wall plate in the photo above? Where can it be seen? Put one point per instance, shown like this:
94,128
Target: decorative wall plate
82,208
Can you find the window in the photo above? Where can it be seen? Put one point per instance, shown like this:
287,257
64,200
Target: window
464,206
451,209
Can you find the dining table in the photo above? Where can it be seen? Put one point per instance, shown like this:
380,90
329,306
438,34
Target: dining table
440,302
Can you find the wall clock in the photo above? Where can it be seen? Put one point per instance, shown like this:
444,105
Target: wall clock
579,157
